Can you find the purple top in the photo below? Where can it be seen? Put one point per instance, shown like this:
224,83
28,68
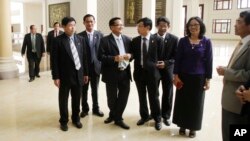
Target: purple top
194,59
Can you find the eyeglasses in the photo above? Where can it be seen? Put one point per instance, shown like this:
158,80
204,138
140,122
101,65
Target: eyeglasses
194,25
120,25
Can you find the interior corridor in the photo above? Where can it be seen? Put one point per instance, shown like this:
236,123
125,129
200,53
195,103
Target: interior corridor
29,111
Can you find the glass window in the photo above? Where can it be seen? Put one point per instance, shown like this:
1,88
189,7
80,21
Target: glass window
221,26
242,4
222,4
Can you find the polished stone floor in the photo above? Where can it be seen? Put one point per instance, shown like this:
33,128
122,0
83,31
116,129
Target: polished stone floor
29,112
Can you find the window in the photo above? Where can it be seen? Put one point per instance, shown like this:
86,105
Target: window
221,26
222,4
243,4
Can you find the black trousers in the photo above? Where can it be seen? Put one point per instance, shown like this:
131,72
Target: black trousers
75,102
167,92
143,85
94,83
34,65
117,96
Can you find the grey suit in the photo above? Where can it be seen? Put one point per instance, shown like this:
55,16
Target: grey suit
235,76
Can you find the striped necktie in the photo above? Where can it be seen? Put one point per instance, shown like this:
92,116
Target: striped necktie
75,54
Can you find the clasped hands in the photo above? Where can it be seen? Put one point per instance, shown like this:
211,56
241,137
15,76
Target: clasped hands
243,94
120,58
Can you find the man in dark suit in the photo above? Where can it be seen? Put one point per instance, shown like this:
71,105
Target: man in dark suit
93,38
114,55
69,71
165,64
146,74
52,35
34,43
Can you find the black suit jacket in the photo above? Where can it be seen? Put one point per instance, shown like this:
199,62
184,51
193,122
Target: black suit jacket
63,66
51,40
107,51
168,51
96,39
28,44
150,66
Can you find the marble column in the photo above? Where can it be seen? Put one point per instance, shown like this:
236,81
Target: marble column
8,68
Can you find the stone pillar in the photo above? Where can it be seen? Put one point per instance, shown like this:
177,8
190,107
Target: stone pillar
174,13
148,10
8,68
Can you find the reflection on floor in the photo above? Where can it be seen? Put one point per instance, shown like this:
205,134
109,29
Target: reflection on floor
29,111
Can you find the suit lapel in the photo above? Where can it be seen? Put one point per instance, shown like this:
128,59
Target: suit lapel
112,40
66,43
242,51
125,44
95,38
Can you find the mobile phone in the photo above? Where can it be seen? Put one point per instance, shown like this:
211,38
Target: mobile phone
179,85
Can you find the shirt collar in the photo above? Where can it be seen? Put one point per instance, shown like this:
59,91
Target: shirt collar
163,36
245,39
117,37
92,33
147,37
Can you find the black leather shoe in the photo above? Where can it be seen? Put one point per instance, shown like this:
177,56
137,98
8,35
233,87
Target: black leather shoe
38,75
192,134
77,124
142,121
122,124
158,126
83,114
166,122
64,127
182,131
98,113
108,120
31,79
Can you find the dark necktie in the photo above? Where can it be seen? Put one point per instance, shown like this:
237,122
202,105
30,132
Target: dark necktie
144,52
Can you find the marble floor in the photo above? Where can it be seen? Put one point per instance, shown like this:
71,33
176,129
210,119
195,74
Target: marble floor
29,111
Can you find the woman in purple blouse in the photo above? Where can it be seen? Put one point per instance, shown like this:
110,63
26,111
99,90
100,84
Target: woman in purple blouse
192,72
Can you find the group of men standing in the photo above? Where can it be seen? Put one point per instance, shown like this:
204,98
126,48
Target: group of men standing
77,60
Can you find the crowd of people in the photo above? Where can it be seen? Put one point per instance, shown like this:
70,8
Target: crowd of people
78,60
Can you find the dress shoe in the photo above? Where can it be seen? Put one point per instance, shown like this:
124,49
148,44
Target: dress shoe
83,114
158,126
108,120
122,124
38,76
142,121
98,113
166,122
182,131
192,134
64,127
31,79
77,124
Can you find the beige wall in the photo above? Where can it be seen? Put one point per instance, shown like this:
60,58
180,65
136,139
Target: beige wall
32,14
110,8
